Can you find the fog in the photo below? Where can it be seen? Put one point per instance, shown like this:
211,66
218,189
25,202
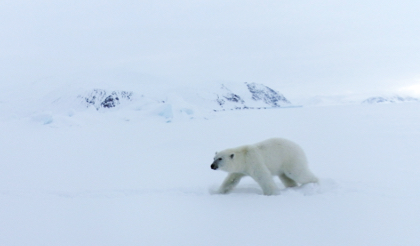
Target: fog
298,47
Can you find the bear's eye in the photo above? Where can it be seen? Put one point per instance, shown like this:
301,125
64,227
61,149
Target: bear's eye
219,159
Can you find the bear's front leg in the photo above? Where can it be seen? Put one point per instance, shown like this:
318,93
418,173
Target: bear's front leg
263,177
230,182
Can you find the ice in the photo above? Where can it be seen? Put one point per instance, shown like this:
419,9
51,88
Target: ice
124,177
165,111
43,118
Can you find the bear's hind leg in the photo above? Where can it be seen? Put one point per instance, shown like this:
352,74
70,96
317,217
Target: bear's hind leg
230,182
288,182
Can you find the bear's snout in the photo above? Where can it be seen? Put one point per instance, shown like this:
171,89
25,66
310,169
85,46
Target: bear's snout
214,166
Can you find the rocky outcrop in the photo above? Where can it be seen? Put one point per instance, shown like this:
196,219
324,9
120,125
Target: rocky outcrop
228,97
249,96
102,99
269,96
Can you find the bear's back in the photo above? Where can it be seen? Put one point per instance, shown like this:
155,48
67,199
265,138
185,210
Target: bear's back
279,153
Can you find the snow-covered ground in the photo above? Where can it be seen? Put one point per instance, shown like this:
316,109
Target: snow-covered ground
119,177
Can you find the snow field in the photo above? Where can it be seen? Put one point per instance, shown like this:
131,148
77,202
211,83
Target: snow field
112,178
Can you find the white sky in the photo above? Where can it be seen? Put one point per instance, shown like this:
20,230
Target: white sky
306,47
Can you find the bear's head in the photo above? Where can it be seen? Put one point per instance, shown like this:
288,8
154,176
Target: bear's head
224,160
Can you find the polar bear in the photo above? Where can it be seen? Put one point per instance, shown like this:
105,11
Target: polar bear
275,156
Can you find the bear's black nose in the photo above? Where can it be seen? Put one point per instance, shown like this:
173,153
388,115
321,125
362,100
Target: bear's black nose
213,166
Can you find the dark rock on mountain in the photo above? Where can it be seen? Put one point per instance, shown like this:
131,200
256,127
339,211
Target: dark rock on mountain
228,96
102,99
266,94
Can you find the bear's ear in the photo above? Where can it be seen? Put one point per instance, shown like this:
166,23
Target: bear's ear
215,153
232,155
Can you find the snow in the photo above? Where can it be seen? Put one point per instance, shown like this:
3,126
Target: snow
392,99
355,98
127,176
79,93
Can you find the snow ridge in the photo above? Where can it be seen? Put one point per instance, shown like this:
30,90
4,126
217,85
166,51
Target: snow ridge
392,99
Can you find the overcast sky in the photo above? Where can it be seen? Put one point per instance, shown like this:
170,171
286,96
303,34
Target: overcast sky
297,46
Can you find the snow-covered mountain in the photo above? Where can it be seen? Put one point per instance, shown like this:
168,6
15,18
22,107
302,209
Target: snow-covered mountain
268,95
249,96
354,99
49,99
391,99
226,97
135,96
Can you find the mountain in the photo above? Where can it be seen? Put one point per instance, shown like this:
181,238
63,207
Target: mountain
354,99
226,97
392,99
249,96
143,99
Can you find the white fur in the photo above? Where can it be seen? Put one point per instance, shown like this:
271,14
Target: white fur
276,156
